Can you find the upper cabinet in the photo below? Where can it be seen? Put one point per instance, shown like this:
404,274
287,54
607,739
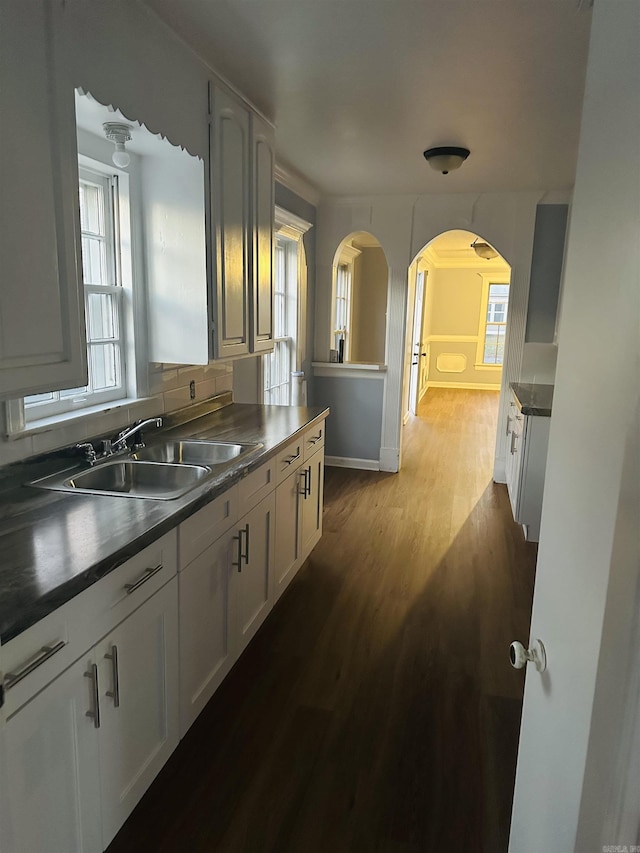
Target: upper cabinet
241,169
42,328
263,210
229,202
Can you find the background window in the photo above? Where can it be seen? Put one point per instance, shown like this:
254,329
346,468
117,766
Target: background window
279,364
496,324
342,307
103,297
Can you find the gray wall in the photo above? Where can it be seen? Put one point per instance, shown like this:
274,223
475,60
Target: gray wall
354,428
546,272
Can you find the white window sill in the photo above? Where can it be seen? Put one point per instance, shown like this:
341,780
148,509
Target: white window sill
128,407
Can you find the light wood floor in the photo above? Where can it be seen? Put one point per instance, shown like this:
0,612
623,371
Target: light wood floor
376,709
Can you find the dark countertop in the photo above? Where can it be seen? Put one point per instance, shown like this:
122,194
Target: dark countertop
53,545
533,399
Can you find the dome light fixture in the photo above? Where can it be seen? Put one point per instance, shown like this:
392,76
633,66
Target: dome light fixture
118,133
446,158
484,250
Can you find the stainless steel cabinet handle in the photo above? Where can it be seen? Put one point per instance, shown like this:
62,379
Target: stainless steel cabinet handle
316,438
292,459
238,539
115,693
246,553
309,483
304,473
148,574
508,424
514,438
95,714
46,652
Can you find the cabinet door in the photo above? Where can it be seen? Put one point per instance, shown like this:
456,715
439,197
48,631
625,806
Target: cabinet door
312,503
229,199
139,700
289,502
51,800
206,642
251,591
514,464
42,327
263,209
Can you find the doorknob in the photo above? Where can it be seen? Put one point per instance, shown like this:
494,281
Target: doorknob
520,657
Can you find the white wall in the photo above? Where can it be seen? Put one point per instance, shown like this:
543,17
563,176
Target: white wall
575,737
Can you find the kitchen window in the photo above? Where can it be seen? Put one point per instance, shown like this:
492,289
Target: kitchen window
104,229
289,311
493,322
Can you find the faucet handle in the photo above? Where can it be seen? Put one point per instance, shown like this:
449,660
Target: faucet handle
89,452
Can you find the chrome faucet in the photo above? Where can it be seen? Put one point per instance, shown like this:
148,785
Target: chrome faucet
120,441
89,452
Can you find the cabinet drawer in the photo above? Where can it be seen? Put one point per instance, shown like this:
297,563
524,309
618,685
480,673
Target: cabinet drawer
207,525
256,485
113,598
313,440
38,655
289,459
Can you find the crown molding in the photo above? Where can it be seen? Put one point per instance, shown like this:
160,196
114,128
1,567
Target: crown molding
348,253
289,224
295,182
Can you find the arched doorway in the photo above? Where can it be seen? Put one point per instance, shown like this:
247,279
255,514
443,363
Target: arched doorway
457,310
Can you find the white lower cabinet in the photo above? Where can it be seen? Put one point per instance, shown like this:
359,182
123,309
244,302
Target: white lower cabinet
313,477
206,637
251,580
79,755
525,468
51,765
288,549
138,678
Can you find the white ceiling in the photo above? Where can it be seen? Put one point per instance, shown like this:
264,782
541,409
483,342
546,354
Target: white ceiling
359,88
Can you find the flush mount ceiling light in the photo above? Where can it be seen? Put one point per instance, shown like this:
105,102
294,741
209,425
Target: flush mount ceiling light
446,158
119,133
484,250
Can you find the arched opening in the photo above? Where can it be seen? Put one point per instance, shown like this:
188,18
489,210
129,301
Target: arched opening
359,300
457,313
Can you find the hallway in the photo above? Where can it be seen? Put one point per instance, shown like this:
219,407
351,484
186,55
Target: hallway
376,709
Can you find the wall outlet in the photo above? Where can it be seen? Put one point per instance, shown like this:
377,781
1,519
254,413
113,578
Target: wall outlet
192,389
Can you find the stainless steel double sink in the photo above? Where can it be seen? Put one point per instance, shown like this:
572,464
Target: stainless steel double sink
163,471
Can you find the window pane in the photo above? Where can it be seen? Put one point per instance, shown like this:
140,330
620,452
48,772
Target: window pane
34,399
91,208
73,392
102,320
94,260
104,366
494,344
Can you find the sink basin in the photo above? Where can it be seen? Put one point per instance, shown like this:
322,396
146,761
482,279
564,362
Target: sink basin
130,478
190,452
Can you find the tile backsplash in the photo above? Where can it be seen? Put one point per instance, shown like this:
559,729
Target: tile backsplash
169,389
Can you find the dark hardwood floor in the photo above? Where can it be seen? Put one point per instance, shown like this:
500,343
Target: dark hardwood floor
376,709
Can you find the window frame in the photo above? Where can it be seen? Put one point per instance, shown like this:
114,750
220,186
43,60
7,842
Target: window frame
22,419
346,258
291,229
487,280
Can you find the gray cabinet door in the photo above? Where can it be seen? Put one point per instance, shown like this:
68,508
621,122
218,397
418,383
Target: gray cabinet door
229,201
263,209
42,327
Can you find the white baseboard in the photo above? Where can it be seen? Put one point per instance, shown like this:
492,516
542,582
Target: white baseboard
349,462
467,386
